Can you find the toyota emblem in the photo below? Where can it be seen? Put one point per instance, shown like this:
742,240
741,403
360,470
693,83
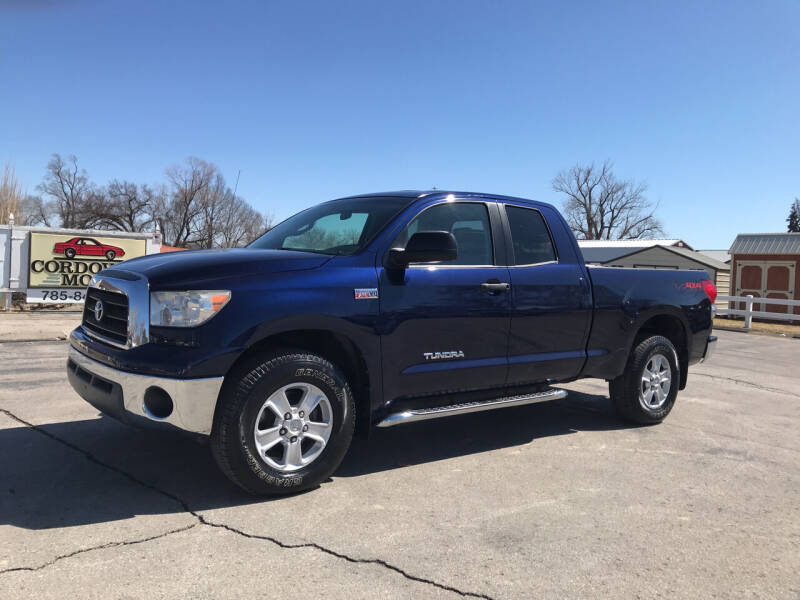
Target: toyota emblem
98,311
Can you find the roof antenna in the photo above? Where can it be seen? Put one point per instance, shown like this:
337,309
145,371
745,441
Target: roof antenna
236,187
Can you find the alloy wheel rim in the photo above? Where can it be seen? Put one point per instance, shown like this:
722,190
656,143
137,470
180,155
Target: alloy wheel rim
655,383
293,426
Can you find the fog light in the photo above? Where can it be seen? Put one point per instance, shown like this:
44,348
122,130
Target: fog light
157,403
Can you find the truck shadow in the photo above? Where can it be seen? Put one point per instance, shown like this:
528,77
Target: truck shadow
95,471
440,439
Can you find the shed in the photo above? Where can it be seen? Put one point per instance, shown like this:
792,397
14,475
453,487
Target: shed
599,252
766,265
674,257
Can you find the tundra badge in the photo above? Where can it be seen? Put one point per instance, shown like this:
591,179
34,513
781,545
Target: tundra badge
442,355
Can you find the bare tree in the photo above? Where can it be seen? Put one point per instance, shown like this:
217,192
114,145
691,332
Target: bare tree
27,209
36,211
199,210
215,200
239,224
179,211
182,208
73,196
598,206
129,207
196,208
228,221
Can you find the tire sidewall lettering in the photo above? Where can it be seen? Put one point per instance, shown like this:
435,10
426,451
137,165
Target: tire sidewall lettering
257,393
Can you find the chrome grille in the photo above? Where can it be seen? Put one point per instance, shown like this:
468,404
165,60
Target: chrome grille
113,323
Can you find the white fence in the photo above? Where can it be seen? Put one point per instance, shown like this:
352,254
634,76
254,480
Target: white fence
748,313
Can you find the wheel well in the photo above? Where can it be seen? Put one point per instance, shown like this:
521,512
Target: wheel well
671,328
338,349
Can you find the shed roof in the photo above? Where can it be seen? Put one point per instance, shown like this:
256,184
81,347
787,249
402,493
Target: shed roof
766,243
700,258
685,252
629,243
600,251
721,255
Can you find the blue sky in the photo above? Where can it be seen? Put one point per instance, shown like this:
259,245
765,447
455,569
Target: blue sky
315,100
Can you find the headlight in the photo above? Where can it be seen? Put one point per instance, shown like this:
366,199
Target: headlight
186,309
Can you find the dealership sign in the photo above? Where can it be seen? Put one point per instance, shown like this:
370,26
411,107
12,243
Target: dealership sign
61,265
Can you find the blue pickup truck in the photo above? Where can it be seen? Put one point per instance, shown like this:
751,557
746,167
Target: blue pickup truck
376,311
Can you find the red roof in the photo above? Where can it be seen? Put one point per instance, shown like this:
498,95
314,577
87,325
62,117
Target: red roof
165,248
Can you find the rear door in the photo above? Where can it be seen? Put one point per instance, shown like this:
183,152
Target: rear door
551,298
442,330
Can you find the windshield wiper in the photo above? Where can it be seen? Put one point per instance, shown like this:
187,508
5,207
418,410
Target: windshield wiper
307,250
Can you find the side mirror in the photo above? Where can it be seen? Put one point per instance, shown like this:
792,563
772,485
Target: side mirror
423,247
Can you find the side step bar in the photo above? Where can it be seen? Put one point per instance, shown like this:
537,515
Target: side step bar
423,414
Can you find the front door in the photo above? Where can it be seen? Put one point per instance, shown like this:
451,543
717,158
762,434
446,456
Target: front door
443,331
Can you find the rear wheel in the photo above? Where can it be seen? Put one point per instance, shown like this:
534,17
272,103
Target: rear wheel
645,393
69,253
284,423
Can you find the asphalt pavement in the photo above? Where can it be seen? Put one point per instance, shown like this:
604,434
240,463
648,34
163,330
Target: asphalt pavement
559,499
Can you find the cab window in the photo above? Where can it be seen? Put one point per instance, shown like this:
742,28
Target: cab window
467,221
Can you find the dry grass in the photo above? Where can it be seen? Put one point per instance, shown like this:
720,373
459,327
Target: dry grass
11,195
759,326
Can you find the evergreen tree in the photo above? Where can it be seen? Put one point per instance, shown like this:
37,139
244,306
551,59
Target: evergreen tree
794,217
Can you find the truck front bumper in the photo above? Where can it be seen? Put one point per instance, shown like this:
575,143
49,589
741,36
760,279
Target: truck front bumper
710,347
185,404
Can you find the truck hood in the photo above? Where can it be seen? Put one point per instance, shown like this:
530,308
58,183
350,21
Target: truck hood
188,268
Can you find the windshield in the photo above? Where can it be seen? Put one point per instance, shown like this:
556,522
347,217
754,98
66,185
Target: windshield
340,227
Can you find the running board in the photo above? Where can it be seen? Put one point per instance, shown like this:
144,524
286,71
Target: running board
423,414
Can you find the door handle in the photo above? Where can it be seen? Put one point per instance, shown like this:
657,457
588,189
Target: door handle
493,286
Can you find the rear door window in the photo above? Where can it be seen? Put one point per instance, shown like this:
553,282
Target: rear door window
529,236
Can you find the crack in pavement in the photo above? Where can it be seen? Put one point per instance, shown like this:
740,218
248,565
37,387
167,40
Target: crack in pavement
749,384
201,520
99,547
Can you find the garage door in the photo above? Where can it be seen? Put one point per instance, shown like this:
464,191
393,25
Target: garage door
766,279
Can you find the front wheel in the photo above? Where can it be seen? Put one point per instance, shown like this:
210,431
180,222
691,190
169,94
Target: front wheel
284,423
110,255
645,393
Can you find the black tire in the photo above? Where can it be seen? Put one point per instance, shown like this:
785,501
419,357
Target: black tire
242,397
69,253
110,255
626,389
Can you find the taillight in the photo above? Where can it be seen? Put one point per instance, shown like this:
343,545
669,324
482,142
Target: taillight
710,289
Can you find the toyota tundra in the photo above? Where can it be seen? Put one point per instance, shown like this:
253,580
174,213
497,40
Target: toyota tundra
378,310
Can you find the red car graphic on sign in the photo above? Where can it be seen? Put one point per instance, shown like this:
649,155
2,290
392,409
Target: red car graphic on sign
87,247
